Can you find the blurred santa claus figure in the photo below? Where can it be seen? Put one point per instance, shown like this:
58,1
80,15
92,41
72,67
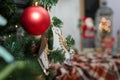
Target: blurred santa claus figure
88,32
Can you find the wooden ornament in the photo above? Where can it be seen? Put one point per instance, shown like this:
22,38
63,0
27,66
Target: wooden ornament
43,52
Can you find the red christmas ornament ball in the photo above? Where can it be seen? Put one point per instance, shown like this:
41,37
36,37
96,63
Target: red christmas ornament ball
35,20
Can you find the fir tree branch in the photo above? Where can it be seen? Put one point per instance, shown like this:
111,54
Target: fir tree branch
70,41
47,4
57,56
56,22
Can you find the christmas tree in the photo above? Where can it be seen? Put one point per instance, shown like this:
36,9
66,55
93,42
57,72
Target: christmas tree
23,48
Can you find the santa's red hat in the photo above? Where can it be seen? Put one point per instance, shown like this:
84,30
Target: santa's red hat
84,19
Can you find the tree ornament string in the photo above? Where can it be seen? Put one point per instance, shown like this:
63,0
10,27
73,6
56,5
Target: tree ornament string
62,41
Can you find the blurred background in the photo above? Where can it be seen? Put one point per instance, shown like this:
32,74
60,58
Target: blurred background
71,11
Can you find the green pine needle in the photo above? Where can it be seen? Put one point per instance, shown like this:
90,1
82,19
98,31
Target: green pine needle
57,56
47,4
57,22
70,41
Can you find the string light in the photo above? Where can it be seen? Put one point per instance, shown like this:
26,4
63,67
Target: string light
9,36
16,26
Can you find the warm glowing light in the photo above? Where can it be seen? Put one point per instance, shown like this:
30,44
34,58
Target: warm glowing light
16,26
105,24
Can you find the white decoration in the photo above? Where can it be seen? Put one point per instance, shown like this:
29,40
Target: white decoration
58,42
3,21
6,55
67,55
44,60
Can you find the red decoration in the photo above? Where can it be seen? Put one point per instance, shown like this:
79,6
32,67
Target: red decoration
108,43
87,28
35,20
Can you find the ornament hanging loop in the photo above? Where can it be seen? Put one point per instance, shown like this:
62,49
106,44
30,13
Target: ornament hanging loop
36,3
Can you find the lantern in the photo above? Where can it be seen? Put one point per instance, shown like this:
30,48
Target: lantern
104,12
